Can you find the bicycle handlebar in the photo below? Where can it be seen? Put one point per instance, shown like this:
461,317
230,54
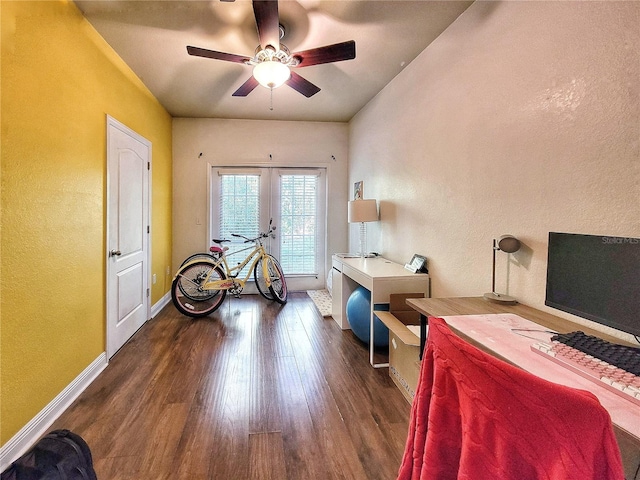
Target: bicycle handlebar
262,235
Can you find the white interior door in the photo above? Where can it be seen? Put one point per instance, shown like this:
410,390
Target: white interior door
129,163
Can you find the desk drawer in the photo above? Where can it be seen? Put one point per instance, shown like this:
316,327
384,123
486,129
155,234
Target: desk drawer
336,265
358,276
385,287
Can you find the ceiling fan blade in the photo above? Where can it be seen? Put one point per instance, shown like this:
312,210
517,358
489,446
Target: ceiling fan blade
266,13
327,54
305,87
246,88
229,57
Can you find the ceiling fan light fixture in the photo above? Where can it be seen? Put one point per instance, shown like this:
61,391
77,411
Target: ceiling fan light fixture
271,74
272,60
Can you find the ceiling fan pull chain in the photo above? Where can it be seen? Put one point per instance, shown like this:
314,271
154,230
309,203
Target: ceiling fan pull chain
271,99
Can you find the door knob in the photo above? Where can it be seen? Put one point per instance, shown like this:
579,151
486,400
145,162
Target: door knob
115,253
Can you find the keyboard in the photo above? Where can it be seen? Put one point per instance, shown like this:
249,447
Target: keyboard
622,356
622,382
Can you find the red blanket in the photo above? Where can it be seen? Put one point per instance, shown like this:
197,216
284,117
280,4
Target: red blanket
476,417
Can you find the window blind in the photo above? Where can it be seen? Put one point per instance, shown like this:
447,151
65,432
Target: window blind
239,210
298,217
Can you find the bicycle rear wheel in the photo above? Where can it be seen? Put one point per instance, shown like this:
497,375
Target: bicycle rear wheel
188,295
278,286
189,286
198,256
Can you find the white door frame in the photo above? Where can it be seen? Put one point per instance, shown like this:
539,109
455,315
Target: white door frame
113,123
270,177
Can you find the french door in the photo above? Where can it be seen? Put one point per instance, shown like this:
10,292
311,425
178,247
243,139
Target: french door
244,200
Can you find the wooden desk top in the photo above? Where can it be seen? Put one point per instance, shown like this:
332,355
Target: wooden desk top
440,307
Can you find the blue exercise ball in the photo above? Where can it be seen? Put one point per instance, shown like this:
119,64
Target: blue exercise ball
358,311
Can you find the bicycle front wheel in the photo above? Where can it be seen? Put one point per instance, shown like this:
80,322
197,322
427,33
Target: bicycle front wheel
278,287
261,281
188,294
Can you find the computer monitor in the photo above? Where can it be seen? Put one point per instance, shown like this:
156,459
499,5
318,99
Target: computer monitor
595,277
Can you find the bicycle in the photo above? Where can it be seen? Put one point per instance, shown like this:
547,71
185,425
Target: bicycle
202,281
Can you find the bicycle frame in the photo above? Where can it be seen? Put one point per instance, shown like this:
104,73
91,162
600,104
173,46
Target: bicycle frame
232,281
202,282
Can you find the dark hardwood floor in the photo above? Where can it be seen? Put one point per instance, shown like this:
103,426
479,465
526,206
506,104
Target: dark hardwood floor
255,391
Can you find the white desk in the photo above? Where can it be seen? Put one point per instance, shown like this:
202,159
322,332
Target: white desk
378,275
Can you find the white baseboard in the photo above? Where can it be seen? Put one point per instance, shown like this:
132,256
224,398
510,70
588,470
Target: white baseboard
33,430
160,304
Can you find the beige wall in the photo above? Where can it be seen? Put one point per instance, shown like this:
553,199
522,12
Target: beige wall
250,142
521,118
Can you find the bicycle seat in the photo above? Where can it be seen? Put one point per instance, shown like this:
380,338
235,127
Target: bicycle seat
215,249
215,240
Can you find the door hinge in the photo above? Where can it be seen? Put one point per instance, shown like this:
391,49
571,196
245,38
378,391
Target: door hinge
147,292
148,229
148,165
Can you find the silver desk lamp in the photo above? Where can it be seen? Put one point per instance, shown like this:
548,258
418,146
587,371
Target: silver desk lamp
507,244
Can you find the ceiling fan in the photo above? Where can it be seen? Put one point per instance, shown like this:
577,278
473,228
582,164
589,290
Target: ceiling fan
272,62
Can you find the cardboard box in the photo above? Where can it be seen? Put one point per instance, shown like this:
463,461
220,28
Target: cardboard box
404,344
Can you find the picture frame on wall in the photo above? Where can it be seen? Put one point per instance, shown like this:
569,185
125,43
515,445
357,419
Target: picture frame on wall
358,190
418,264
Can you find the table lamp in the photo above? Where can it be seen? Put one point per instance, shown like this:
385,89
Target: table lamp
507,244
363,211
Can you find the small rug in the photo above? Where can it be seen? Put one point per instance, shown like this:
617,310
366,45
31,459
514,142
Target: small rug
322,300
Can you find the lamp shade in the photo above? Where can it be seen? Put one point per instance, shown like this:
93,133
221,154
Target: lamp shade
271,74
363,211
508,244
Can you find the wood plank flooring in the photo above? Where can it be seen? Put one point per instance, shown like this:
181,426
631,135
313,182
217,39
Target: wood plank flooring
254,391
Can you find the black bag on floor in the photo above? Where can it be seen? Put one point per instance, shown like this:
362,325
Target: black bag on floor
59,455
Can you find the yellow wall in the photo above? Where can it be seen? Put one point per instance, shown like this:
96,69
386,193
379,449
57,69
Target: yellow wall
59,81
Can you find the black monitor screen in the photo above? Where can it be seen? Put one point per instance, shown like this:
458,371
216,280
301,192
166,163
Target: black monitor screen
595,277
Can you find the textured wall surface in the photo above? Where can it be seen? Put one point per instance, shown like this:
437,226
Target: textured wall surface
521,118
59,81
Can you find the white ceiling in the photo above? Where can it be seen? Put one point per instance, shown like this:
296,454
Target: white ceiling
151,37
